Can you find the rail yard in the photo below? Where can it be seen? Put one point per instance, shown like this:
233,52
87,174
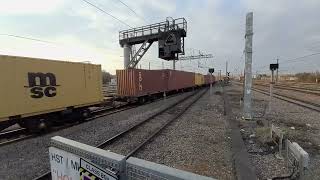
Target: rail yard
93,116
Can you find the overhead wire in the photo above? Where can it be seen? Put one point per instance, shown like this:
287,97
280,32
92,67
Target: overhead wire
28,38
105,12
291,60
132,10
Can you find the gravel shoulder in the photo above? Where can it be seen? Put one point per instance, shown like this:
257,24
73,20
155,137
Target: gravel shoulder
28,159
299,124
197,142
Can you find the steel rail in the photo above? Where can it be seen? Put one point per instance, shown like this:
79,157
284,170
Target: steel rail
299,102
102,145
158,131
302,90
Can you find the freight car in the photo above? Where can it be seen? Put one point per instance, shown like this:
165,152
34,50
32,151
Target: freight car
139,84
198,79
37,92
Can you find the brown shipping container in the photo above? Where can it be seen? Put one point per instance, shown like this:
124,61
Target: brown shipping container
180,79
140,82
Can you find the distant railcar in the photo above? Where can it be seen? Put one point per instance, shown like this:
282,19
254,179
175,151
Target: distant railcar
139,83
35,91
198,79
179,80
134,83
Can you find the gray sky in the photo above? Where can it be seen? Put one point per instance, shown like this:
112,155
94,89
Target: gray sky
284,29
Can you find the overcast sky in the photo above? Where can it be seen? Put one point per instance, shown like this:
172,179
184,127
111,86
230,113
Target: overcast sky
75,31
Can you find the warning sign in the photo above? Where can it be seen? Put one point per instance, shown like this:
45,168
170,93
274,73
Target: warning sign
171,39
89,171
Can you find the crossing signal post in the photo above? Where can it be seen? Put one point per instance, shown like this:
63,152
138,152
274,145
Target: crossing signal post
211,70
273,67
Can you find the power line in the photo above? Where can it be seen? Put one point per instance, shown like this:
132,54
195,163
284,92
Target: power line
133,11
28,38
107,13
292,60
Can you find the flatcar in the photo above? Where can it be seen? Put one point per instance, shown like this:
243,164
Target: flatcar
36,92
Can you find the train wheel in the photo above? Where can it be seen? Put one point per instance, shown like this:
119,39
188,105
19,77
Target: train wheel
35,124
142,100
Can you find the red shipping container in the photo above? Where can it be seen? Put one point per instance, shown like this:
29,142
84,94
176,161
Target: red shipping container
140,82
179,79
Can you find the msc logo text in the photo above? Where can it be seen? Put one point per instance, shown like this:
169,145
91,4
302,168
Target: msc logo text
42,84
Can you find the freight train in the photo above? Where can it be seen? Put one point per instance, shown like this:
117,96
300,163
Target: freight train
37,93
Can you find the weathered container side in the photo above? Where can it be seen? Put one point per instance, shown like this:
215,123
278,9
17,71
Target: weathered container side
140,82
198,79
180,80
32,86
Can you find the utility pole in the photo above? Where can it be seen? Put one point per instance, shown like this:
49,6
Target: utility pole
277,75
220,75
247,114
226,69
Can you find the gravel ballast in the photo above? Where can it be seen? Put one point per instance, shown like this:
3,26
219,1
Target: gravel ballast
300,125
197,141
29,158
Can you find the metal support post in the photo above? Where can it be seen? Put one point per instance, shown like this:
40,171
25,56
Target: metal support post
226,69
270,99
277,75
248,67
126,55
174,65
210,85
149,65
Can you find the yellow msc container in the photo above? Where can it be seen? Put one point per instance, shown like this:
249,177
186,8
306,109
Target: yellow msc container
31,86
198,79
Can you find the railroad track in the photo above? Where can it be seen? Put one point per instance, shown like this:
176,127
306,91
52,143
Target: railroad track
297,89
293,100
19,134
14,135
133,130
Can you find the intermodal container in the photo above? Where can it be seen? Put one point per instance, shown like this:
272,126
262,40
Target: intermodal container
140,82
180,79
31,86
198,79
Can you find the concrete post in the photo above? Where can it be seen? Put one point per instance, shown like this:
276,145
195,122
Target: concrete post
174,65
126,55
248,67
